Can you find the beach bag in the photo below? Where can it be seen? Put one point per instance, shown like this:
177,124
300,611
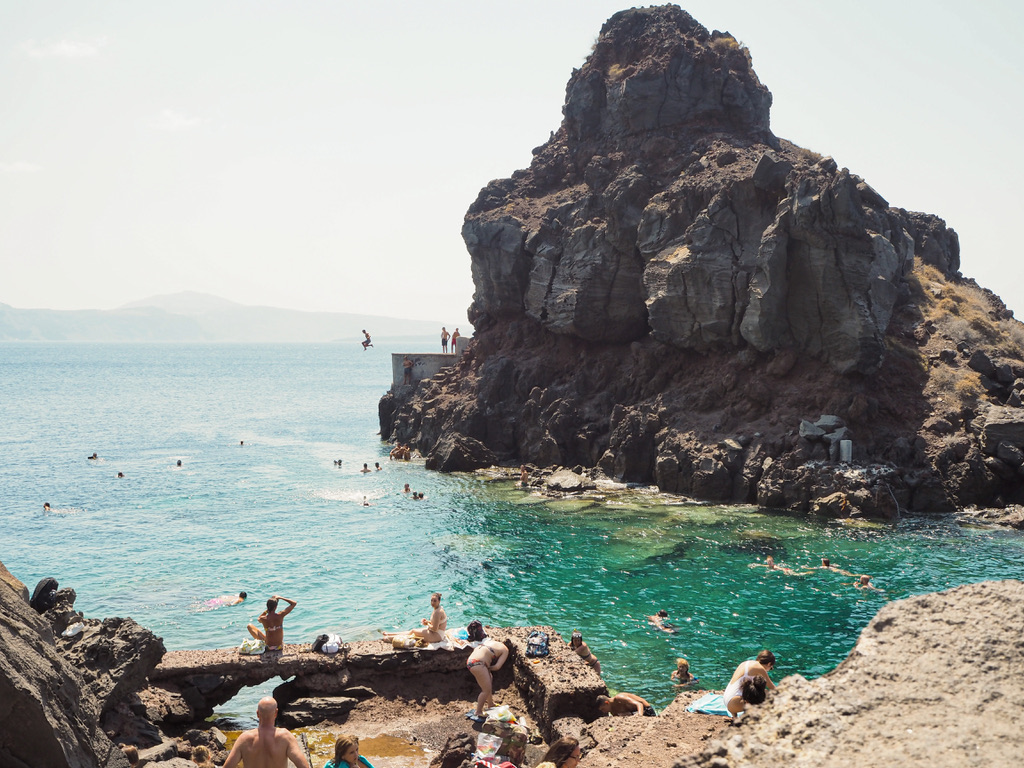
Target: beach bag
403,642
537,644
252,647
475,631
327,643
44,596
513,736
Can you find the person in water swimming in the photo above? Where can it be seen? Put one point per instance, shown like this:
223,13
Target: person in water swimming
433,629
658,622
273,624
582,650
864,582
223,600
682,674
735,700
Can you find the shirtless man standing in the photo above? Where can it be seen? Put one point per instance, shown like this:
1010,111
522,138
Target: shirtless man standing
273,624
266,746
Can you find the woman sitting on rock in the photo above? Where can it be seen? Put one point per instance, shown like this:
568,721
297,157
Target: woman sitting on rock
346,754
583,651
433,628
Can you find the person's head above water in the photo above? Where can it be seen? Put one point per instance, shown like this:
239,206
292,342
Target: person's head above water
242,595
825,562
663,613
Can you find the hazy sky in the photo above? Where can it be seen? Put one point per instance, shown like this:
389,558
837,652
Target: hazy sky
321,155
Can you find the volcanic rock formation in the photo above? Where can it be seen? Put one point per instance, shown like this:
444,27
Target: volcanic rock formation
669,291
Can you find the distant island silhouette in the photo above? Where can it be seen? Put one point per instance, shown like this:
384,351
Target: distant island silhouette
199,317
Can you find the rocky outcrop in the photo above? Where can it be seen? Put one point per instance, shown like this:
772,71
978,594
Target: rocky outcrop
114,656
665,206
935,680
48,716
669,291
188,685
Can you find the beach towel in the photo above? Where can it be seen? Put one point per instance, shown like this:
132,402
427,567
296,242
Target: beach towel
710,704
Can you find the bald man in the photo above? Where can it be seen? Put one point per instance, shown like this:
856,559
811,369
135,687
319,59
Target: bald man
266,746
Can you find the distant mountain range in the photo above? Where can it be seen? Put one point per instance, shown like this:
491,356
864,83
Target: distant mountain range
199,317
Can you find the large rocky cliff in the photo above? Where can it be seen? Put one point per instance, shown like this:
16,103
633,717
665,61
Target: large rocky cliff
672,294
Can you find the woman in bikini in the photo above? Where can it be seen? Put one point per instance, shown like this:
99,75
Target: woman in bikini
273,624
433,628
583,651
485,659
737,692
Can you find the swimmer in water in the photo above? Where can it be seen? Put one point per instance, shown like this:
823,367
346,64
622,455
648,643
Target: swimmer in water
224,600
658,622
46,506
864,582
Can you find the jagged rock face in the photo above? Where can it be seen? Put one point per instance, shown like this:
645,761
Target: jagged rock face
664,205
46,717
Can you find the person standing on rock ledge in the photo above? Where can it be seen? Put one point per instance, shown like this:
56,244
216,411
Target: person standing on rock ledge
273,624
455,341
267,746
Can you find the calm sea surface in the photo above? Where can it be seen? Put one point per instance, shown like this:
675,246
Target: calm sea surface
275,515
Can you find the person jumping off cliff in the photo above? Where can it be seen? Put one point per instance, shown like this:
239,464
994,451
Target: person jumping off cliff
366,341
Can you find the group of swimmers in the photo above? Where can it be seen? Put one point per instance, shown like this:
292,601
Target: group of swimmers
863,581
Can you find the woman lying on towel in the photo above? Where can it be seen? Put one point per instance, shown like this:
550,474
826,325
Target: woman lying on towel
433,628
749,682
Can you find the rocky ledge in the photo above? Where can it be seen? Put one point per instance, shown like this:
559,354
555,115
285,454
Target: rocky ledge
671,294
935,680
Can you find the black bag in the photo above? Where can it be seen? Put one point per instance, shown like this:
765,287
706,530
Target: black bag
318,644
45,595
475,631
537,644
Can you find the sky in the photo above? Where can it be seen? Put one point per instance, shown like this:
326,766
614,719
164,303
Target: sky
321,155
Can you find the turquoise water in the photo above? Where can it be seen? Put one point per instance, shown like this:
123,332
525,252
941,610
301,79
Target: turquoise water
276,516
